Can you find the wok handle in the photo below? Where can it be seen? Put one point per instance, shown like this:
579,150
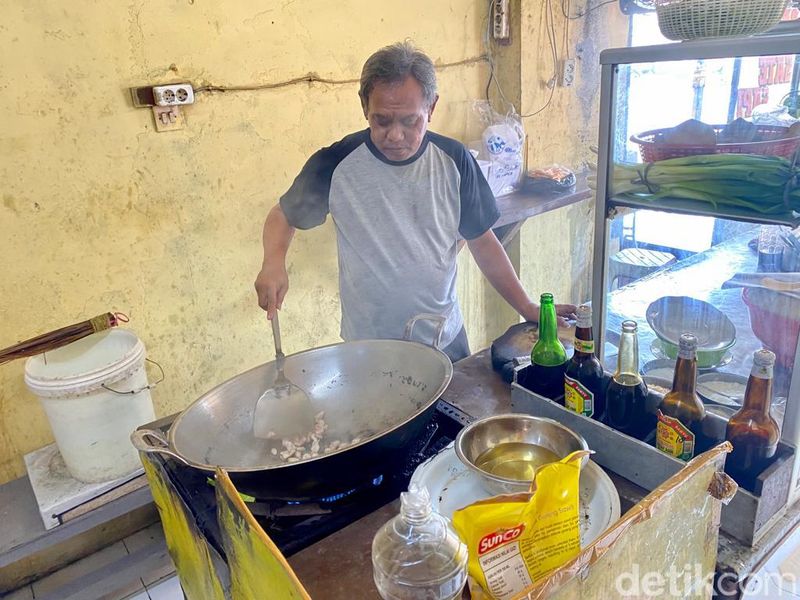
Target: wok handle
439,320
140,440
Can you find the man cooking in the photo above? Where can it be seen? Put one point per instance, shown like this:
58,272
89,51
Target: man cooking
401,198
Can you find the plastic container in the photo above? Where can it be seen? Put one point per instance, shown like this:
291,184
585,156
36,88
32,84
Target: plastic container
86,391
417,555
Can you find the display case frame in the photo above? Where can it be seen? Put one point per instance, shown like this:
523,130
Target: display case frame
608,207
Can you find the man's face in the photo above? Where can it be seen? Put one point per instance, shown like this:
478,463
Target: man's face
398,118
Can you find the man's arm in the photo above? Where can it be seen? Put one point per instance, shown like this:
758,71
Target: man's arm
272,281
495,265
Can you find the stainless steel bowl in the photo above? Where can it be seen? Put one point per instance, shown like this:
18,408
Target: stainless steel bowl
671,316
480,436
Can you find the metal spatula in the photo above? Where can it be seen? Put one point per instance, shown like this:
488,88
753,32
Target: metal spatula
283,411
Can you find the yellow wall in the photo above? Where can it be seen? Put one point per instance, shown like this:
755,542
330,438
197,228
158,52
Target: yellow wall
556,249
99,212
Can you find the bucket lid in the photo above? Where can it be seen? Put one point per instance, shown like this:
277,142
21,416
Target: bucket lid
85,364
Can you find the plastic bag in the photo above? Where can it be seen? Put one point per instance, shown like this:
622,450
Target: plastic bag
554,178
502,146
766,114
514,540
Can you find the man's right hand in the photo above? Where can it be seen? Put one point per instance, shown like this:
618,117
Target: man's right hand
272,283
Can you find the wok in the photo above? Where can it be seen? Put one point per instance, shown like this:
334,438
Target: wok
383,391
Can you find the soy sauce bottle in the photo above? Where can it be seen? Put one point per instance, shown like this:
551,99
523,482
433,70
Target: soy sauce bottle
681,412
752,431
548,357
583,380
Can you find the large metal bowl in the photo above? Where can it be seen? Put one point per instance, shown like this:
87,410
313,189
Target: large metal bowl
671,316
480,436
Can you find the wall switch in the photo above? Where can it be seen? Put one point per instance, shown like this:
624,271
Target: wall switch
568,72
173,95
501,30
168,118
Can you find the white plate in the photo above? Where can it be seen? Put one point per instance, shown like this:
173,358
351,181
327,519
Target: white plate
722,388
453,486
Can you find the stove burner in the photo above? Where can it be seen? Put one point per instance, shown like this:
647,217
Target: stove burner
294,524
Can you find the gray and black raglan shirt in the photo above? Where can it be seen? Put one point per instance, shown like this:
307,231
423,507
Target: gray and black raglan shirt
397,229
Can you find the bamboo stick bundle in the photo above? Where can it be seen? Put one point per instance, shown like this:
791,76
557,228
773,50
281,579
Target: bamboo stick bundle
61,337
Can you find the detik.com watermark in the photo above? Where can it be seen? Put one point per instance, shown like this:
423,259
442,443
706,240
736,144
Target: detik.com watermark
693,579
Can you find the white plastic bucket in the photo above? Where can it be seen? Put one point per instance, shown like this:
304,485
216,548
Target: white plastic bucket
86,390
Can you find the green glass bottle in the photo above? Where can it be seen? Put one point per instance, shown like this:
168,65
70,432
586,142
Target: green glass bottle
548,357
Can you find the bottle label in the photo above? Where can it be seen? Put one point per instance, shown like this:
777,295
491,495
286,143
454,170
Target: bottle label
577,398
584,346
674,438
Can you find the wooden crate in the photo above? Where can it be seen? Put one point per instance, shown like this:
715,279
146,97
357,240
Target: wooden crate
748,515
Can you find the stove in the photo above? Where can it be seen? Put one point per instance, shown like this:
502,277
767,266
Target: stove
294,525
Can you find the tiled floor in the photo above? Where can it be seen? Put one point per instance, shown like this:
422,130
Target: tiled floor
158,584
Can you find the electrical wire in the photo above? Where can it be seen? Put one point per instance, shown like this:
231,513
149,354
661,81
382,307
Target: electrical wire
488,44
314,78
565,10
553,39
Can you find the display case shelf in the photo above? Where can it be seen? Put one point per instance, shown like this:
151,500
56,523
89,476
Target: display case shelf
662,87
701,209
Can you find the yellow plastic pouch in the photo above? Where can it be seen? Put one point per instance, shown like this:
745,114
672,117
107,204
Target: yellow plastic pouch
513,540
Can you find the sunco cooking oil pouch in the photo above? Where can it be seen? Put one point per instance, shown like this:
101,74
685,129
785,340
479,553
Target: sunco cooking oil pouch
515,539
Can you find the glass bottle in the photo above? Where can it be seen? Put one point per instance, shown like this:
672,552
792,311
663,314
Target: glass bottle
418,554
548,357
681,412
583,378
752,431
626,396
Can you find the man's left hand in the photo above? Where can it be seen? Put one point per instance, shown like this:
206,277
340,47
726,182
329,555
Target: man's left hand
565,312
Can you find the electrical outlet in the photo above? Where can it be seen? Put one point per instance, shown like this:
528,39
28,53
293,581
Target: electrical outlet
173,95
568,72
500,26
168,118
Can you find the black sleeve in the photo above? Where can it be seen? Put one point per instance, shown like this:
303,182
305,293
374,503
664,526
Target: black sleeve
478,206
305,204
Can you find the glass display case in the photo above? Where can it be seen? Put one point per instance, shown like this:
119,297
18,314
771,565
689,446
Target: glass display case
698,213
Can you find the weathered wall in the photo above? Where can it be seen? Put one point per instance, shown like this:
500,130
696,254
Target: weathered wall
99,212
556,248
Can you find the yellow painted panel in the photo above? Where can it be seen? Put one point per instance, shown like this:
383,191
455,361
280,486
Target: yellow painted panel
187,547
258,569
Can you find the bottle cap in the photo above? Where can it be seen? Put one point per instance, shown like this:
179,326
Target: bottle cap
763,358
415,504
688,341
687,345
584,315
546,297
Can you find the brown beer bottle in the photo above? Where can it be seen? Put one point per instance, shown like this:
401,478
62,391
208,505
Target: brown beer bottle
583,379
752,431
626,395
681,412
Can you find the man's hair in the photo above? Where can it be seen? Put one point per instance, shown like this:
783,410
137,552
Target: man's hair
392,64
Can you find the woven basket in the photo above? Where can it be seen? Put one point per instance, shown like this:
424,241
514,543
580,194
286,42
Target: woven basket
696,19
652,149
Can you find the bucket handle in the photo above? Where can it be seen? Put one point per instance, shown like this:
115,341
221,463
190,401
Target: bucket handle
141,441
141,389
